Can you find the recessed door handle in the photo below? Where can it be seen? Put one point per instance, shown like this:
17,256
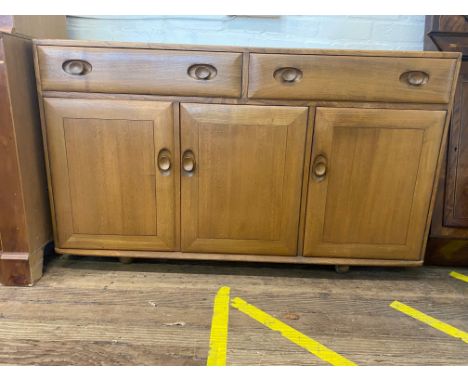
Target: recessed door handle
188,162
320,168
164,160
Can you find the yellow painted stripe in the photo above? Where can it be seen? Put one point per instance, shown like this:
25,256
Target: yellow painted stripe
459,276
431,321
219,329
291,334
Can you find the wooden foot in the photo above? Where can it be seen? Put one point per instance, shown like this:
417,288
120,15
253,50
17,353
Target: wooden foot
20,268
341,268
125,260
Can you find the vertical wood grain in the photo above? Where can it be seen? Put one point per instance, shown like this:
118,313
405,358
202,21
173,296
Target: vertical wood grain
111,166
245,193
109,192
374,199
456,190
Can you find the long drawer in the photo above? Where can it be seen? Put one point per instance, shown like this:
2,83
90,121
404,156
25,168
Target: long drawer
140,71
350,78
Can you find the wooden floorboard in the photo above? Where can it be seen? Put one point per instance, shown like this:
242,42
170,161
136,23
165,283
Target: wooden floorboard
97,311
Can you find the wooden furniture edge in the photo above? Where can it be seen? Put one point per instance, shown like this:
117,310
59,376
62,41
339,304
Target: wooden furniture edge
12,173
438,229
21,268
237,257
247,101
44,142
305,179
441,157
244,100
244,49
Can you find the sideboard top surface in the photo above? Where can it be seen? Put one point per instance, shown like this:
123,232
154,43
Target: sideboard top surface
217,48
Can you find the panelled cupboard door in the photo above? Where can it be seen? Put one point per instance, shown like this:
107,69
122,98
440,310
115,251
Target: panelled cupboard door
112,177
241,170
372,174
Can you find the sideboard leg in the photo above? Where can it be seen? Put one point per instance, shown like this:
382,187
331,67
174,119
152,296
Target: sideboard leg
125,260
341,268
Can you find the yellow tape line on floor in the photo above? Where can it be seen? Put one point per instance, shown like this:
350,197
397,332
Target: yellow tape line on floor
431,321
459,276
219,329
291,334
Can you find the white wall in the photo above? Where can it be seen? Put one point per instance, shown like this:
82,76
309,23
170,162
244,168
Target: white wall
344,32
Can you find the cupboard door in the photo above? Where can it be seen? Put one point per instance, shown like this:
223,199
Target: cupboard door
456,191
108,191
241,178
371,182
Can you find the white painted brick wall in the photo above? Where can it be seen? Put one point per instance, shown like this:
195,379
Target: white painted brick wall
343,32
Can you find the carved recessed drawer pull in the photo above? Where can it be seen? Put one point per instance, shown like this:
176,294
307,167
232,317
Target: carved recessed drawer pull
415,78
77,67
288,75
203,72
164,160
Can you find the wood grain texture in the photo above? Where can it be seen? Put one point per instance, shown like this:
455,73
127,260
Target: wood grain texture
108,190
445,33
245,101
448,32
15,269
24,216
456,188
219,48
240,257
112,172
30,153
383,212
244,194
452,23
305,180
350,78
12,218
101,312
446,251
223,228
140,71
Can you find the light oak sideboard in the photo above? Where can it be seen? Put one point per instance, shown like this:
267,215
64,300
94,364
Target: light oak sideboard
229,153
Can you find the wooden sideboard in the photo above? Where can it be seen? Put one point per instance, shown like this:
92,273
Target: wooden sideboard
448,243
230,153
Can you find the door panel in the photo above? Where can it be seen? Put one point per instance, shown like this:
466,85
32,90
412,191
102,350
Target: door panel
107,187
122,202
373,199
244,194
456,192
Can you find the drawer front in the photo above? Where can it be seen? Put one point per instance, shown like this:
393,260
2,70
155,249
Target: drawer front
140,71
349,78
